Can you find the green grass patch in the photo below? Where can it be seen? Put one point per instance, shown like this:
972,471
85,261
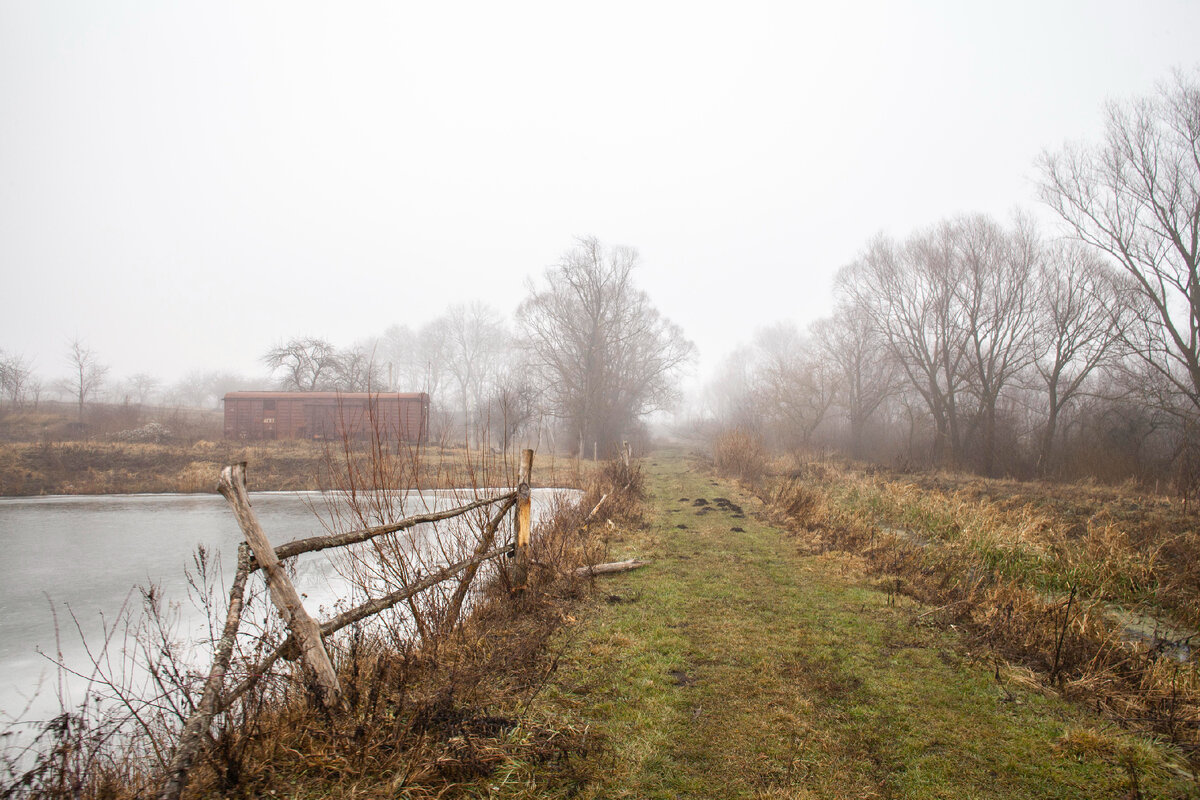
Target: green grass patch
735,666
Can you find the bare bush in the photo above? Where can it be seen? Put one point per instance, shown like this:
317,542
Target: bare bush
739,454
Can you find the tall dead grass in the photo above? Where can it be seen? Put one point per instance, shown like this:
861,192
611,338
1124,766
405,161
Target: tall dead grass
740,454
1035,575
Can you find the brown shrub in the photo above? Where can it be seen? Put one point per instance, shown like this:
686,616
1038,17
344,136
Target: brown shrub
795,500
740,454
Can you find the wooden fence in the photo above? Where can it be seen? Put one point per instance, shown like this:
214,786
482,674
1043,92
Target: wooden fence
305,634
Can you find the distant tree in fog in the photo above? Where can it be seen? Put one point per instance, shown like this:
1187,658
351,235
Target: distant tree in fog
728,395
354,370
907,292
141,386
512,405
604,354
17,381
867,376
87,373
793,384
303,364
415,361
1081,313
997,301
204,389
477,342
1136,197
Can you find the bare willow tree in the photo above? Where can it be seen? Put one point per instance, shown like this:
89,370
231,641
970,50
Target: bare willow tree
602,350
996,296
1081,312
1136,197
907,292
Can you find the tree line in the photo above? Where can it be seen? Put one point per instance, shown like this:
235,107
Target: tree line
1004,349
584,359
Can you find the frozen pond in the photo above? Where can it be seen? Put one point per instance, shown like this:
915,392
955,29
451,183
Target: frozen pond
85,556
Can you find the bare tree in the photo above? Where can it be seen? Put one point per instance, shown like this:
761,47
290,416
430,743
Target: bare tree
1080,316
511,406
605,354
1136,197
907,292
16,379
729,393
353,370
793,385
866,372
304,364
996,296
141,386
476,343
87,373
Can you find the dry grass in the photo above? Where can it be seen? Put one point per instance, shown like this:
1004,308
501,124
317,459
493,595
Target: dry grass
51,468
740,455
1035,574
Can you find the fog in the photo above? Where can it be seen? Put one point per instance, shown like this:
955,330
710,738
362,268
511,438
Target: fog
186,186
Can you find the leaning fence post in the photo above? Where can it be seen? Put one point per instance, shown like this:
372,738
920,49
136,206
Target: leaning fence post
524,521
283,593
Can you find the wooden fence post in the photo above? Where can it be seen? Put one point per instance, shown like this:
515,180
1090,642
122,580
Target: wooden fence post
524,521
283,593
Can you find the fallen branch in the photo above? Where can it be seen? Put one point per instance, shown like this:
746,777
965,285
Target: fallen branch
611,567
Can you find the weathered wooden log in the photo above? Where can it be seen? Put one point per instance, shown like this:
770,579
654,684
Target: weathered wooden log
196,727
283,593
611,567
316,543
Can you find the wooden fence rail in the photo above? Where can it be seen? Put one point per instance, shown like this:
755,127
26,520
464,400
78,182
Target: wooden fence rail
305,635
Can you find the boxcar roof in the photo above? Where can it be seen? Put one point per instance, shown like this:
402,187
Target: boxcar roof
324,395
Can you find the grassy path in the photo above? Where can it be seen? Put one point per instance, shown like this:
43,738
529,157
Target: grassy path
734,666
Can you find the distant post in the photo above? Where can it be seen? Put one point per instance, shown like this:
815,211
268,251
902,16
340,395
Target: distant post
524,521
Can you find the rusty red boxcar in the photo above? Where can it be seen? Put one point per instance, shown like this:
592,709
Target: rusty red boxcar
254,416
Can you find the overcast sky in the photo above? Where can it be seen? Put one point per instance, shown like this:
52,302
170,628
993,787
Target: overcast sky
183,185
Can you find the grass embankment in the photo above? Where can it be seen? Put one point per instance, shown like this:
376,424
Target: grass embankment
742,663
99,467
